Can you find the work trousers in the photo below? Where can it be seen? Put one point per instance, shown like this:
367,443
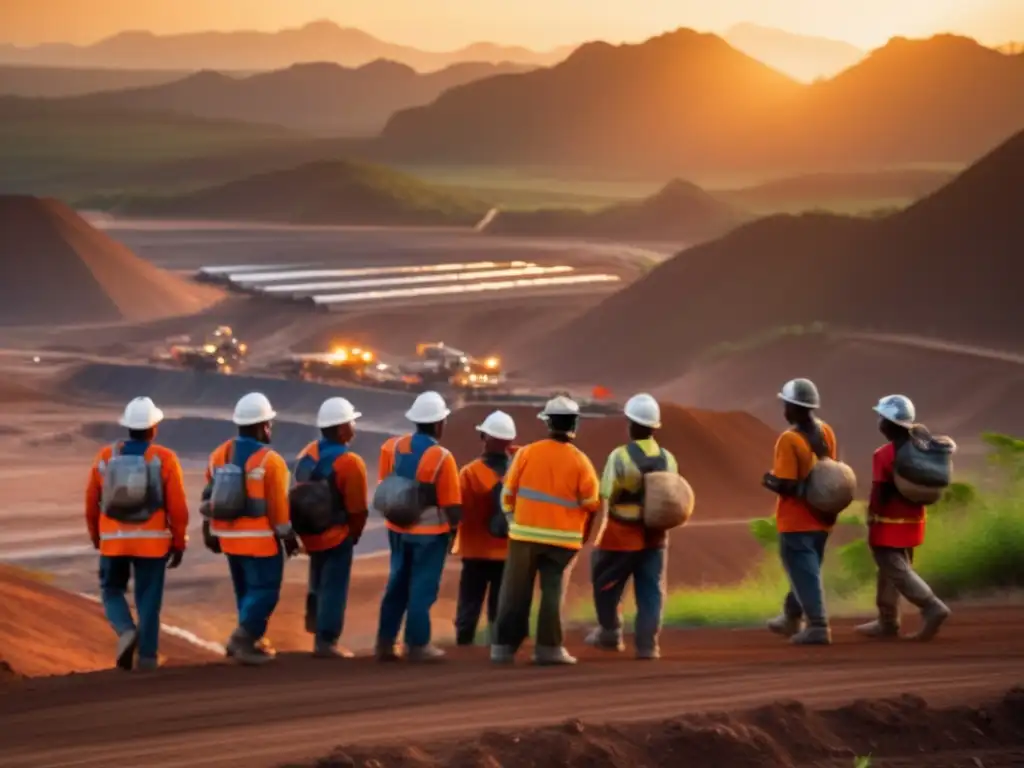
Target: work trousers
526,561
480,582
610,572
327,595
896,577
150,574
417,562
802,556
257,583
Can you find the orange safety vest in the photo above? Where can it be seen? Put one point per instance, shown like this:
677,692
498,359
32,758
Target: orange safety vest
151,539
550,494
252,536
474,540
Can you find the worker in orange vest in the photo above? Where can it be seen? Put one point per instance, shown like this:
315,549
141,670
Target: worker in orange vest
330,542
246,503
895,529
418,550
137,517
550,495
482,539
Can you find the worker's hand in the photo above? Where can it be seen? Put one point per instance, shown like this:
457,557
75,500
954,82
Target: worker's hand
175,559
210,541
291,544
96,542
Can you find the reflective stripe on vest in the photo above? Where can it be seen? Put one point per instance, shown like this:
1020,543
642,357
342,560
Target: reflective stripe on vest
256,534
897,520
114,535
531,495
547,535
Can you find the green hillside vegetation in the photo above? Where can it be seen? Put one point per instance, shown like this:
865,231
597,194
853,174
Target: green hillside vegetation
329,192
679,211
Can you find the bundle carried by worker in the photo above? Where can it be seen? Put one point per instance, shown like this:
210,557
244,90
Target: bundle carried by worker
314,501
132,486
831,485
665,500
400,498
229,495
924,465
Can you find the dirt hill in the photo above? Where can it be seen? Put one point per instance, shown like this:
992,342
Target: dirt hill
947,267
325,98
57,269
681,212
253,51
329,192
680,100
46,631
722,454
686,102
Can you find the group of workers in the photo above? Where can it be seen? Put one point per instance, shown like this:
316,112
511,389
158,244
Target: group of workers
515,515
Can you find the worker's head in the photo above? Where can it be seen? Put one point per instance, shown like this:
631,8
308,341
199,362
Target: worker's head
337,420
497,431
254,417
643,415
428,413
896,414
800,399
140,418
562,415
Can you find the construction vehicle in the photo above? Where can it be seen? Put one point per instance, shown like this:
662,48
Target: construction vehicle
439,364
342,363
220,351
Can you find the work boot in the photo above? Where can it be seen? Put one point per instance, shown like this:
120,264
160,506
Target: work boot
812,635
465,639
548,656
648,654
386,652
322,649
147,665
605,640
784,625
934,616
247,651
503,654
127,642
424,654
878,629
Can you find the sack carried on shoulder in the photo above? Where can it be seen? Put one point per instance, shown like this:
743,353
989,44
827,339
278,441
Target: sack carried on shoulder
665,500
924,466
402,500
314,503
831,485
132,487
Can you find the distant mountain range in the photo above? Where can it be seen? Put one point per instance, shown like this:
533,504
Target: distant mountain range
686,102
319,41
803,57
321,98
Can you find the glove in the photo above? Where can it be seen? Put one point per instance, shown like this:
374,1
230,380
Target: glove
175,559
291,544
96,543
210,541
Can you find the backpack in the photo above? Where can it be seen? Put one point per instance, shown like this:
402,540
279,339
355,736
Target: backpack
400,498
831,485
228,495
314,501
923,468
133,488
497,523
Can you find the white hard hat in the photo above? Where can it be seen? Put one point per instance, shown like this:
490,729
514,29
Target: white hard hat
643,410
499,425
560,406
141,413
336,411
800,392
898,409
253,408
428,408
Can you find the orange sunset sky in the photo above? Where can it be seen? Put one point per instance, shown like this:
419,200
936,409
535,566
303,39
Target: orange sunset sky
439,24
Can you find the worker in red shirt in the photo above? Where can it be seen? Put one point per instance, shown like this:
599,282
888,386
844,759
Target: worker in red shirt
895,528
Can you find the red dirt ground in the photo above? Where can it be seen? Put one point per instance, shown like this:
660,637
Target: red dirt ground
57,269
301,708
46,631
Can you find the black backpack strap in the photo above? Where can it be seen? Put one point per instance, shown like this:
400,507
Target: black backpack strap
645,463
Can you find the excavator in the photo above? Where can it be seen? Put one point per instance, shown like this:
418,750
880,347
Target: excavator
220,351
438,364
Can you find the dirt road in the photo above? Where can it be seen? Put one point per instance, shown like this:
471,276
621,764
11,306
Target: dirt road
220,715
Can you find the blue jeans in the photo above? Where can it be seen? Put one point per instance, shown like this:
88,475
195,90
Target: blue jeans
150,573
257,582
417,562
611,571
327,597
802,555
